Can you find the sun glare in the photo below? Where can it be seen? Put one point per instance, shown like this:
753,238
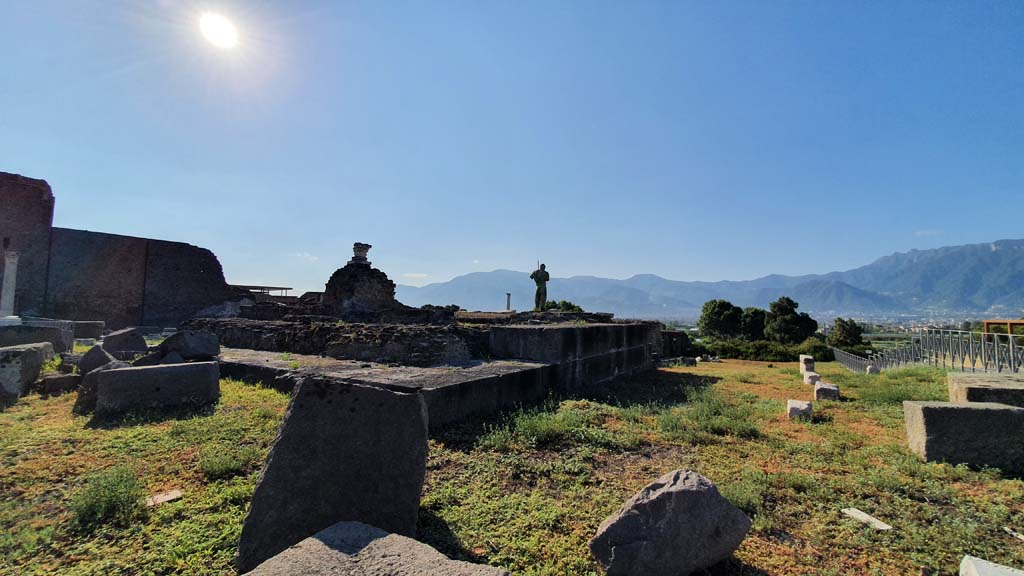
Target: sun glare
218,30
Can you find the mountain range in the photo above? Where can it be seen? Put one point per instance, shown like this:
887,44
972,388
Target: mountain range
970,279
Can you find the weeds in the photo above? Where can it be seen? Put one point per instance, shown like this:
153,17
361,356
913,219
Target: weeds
111,496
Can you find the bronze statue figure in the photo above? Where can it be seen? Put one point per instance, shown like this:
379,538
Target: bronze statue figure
541,277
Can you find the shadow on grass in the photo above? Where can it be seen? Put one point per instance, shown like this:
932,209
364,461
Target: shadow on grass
144,417
734,567
433,530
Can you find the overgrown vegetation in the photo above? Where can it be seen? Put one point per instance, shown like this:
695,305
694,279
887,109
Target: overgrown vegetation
109,496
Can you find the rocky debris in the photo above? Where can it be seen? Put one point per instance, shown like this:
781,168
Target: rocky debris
192,345
93,359
826,391
344,452
57,384
811,378
151,359
148,387
86,401
172,357
20,366
798,410
676,525
356,549
407,344
126,340
69,362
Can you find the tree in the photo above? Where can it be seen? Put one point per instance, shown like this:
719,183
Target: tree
562,306
720,319
786,325
752,323
845,334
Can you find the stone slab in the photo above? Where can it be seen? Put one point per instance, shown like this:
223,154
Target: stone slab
356,549
798,410
811,378
826,391
89,328
57,384
147,387
125,340
60,339
986,387
345,452
866,518
972,566
977,434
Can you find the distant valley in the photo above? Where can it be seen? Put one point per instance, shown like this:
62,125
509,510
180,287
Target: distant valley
973,279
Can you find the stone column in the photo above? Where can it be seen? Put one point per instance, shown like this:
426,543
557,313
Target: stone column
9,283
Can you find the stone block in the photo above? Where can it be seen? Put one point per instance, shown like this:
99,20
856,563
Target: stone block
192,344
356,549
86,401
826,391
89,328
972,566
981,387
125,340
977,434
151,359
811,378
806,363
799,410
148,387
872,370
345,452
678,524
93,359
60,340
20,367
55,385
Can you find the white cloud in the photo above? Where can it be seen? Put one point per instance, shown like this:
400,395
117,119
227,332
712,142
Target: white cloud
306,257
927,232
415,275
476,261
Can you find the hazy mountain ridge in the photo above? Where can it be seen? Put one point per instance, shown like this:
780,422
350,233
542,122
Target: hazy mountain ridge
969,278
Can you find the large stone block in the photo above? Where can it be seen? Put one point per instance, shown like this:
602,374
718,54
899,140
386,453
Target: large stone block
93,359
978,434
811,378
57,384
356,549
20,367
60,340
146,387
192,344
345,452
676,525
981,387
826,391
806,363
86,401
972,566
125,340
89,328
799,410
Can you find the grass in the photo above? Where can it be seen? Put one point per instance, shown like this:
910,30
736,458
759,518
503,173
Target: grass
526,490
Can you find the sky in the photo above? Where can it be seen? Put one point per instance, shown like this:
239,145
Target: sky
693,140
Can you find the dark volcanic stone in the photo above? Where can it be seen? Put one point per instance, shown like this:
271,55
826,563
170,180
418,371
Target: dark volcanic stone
126,340
86,401
676,525
344,452
54,385
192,344
93,359
355,549
151,359
196,383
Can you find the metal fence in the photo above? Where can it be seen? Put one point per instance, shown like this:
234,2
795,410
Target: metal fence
947,349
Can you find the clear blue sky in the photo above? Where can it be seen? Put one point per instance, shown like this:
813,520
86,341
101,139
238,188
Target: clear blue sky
694,140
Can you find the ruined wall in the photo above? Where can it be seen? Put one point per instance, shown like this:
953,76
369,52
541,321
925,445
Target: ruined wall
26,215
181,280
95,276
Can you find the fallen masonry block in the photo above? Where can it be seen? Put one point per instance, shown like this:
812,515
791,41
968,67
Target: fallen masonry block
192,345
826,391
811,378
798,410
20,366
93,359
126,340
678,524
972,566
163,498
982,387
140,388
60,339
345,452
57,384
86,401
357,549
89,328
978,434
806,363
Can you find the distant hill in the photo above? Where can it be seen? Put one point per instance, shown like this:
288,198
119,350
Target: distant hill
975,278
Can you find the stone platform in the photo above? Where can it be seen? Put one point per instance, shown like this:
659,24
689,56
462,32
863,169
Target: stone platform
986,387
977,433
451,393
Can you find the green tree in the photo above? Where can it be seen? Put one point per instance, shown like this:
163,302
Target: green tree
562,306
787,326
752,323
720,319
845,333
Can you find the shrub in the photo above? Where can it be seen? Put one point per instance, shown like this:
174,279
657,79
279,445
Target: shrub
110,496
816,348
761,350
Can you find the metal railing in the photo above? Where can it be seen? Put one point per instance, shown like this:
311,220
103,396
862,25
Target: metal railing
946,349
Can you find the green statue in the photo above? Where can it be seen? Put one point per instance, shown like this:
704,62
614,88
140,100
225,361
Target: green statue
541,277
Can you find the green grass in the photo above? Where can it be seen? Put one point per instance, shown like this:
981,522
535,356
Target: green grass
526,490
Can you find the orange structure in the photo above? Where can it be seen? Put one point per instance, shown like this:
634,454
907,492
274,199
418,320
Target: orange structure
1009,324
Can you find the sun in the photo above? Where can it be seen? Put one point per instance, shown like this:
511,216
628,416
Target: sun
218,30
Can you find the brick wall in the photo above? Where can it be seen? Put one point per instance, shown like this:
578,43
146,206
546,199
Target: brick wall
26,215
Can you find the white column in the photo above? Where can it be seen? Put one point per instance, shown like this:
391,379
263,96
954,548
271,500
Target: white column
10,281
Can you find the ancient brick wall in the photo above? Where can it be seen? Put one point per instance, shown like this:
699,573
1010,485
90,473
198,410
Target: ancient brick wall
95,276
26,215
181,280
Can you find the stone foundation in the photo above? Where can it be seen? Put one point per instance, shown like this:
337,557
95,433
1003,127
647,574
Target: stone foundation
977,434
981,387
